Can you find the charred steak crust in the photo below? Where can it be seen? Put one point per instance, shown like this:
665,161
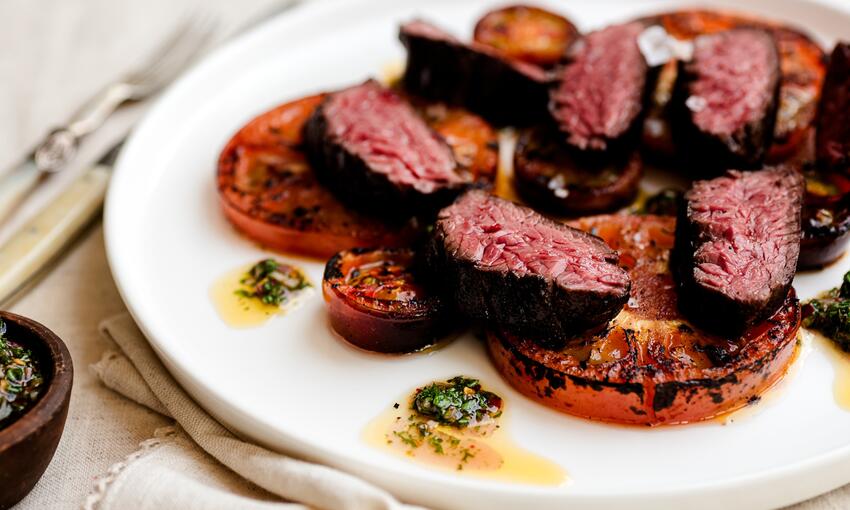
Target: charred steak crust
507,265
737,245
440,67
375,153
833,122
726,99
599,95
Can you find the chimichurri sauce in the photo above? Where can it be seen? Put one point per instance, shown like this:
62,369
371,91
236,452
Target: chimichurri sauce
830,314
459,402
448,422
272,282
20,379
456,425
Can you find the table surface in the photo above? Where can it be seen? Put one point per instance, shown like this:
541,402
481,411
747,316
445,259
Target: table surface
55,53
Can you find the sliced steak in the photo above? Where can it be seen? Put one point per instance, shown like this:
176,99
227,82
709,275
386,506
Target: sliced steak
599,96
833,122
506,264
727,97
375,153
737,244
476,76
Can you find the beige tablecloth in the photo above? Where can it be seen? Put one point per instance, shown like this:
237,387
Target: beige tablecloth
55,52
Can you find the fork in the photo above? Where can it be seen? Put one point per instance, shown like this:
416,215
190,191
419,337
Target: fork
60,145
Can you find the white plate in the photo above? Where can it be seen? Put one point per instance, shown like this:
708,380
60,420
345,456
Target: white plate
293,386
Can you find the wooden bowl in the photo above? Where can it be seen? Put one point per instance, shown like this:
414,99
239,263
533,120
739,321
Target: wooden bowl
28,444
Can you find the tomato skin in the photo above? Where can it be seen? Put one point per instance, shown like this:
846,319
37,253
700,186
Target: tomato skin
650,367
588,187
396,315
596,396
527,33
822,246
825,218
318,245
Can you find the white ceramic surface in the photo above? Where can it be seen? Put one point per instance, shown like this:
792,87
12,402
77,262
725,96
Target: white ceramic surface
293,386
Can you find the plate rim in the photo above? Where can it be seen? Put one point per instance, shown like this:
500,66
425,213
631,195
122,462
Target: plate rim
316,451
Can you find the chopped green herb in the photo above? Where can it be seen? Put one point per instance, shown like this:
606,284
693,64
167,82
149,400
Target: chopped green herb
406,438
460,402
20,379
467,454
830,314
436,443
272,282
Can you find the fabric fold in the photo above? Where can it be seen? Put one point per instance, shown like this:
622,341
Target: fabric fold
138,374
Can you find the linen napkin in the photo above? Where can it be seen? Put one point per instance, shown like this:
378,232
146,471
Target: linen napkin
198,463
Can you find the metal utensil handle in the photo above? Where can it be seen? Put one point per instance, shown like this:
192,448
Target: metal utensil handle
41,239
61,144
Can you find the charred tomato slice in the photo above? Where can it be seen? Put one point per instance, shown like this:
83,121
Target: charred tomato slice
527,33
376,302
474,142
802,63
270,193
553,178
825,217
650,366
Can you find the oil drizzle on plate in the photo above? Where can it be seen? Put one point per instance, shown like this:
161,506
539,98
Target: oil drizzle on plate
239,311
773,394
840,361
392,72
487,455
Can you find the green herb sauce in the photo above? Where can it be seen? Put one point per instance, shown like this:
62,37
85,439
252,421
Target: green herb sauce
459,402
273,282
421,432
20,379
830,314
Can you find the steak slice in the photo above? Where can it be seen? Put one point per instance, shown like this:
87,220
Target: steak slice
728,95
476,76
833,122
737,244
375,153
508,265
599,95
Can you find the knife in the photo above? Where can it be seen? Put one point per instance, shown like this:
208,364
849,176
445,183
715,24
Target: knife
42,240
39,241
60,145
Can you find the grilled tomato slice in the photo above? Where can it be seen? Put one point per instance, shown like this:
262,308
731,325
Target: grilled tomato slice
526,33
650,366
270,193
551,177
376,302
474,142
803,69
826,218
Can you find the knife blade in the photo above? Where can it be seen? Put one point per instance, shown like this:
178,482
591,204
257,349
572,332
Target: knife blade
44,237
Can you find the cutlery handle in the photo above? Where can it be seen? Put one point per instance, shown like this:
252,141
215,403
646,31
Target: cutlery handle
16,186
60,145
37,242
